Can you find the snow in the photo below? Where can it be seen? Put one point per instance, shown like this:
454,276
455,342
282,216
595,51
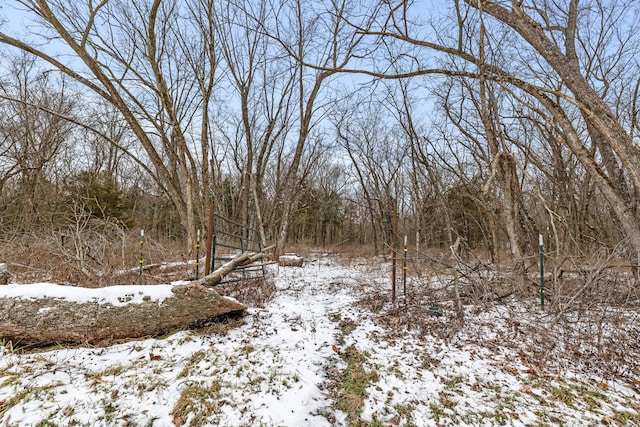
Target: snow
279,367
118,295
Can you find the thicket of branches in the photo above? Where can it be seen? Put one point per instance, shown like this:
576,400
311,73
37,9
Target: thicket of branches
492,122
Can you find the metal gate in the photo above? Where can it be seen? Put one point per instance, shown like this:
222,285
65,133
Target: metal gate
230,239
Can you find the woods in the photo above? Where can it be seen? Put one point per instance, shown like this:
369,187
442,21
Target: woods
435,204
491,121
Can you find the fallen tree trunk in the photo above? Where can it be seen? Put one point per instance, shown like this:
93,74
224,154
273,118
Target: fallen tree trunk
245,258
290,260
54,320
58,316
5,276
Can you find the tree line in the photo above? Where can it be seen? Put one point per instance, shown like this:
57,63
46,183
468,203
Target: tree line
491,121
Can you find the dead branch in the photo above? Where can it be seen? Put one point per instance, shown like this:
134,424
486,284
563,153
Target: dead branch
240,260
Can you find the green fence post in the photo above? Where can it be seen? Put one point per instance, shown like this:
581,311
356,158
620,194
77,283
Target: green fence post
198,255
541,271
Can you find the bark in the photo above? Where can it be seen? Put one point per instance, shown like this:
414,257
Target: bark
5,276
511,206
258,210
185,181
48,321
616,173
503,163
290,260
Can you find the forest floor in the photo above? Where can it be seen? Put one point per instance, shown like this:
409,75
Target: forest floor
329,349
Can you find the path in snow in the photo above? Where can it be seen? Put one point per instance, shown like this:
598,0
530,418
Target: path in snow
270,371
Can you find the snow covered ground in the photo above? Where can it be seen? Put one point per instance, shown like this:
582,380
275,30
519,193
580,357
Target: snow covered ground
327,350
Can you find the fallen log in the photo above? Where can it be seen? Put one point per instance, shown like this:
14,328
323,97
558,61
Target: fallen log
5,276
51,320
44,314
243,259
290,260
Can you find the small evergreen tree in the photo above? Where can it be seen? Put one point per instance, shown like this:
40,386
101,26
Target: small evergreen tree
99,196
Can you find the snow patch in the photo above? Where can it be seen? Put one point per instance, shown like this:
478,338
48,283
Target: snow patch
119,295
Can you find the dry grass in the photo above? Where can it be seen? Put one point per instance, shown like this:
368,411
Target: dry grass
350,389
590,318
89,260
222,325
199,403
253,292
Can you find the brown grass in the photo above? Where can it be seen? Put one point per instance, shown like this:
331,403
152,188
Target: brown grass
91,262
253,292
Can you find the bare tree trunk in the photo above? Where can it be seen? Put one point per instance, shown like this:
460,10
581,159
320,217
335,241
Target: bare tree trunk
511,207
258,212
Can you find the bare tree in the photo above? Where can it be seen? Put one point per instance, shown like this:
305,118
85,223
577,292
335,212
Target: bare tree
33,133
133,56
403,47
199,43
378,152
605,130
264,84
317,35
